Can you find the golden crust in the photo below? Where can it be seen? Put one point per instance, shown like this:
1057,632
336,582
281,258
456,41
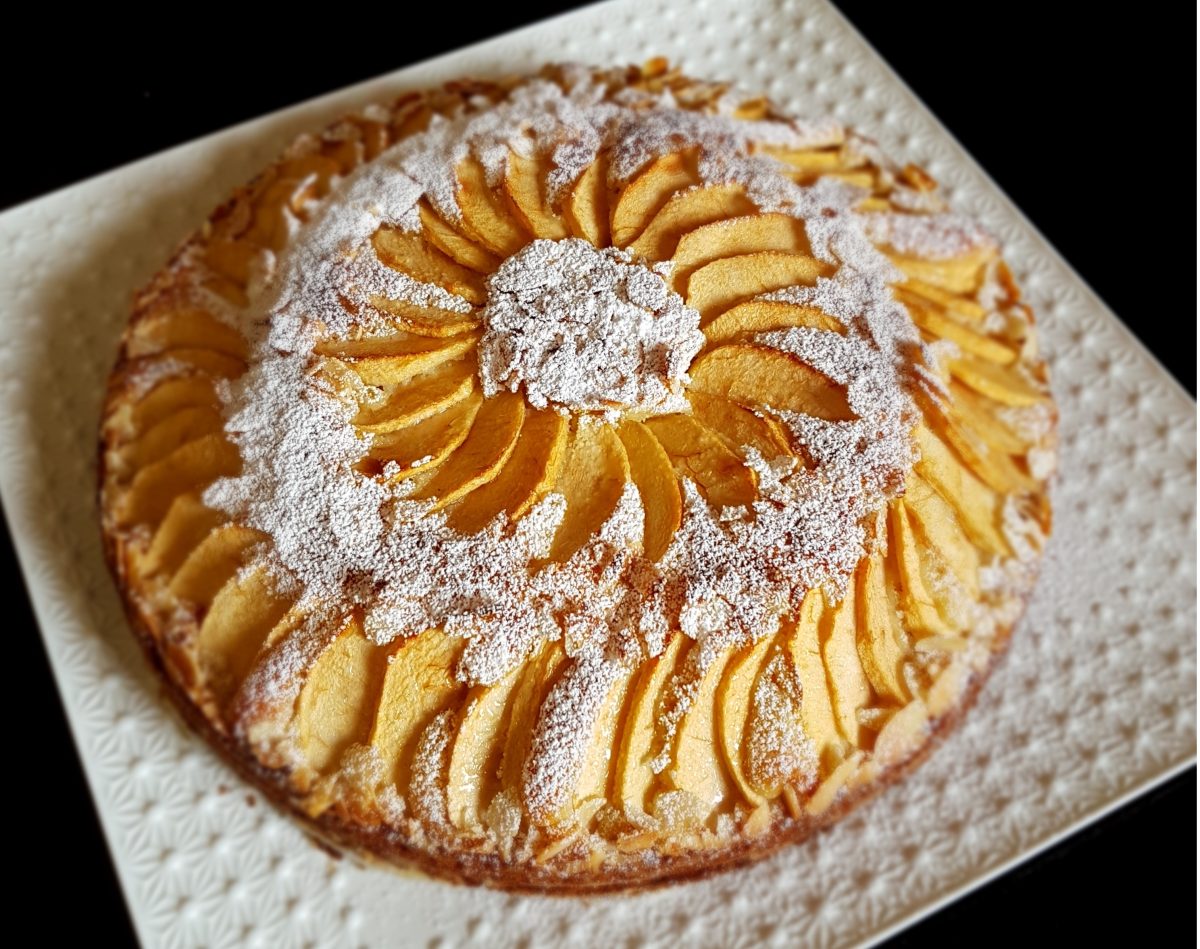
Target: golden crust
168,624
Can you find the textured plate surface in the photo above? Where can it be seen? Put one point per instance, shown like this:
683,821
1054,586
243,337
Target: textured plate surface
1095,702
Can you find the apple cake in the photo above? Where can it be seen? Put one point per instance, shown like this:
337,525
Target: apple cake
577,481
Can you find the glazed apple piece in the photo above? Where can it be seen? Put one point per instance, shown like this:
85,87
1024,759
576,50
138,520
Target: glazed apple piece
484,451
525,185
411,254
962,274
592,480
758,375
802,648
454,244
882,644
719,285
170,396
187,522
476,752
920,292
530,472
918,604
537,678
648,192
1006,385
761,316
428,443
737,237
207,362
190,467
698,453
486,213
427,395
849,689
394,360
424,320
586,206
734,696
184,327
739,427
651,470
171,433
978,506
214,561
940,325
686,211
938,526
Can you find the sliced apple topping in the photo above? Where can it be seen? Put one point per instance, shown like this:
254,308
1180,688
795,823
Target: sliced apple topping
651,470
719,285
485,212
758,375
592,480
648,192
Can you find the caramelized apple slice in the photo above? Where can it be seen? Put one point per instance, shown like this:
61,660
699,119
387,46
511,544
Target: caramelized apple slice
809,163
963,306
187,523
979,417
719,285
938,324
190,467
456,246
537,678
902,736
697,452
696,768
634,776
208,362
184,327
761,316
339,697
419,683
170,396
738,426
525,185
482,454
938,526
957,275
882,645
646,194
214,561
995,468
734,697
411,254
429,442
476,753
586,207
917,603
1005,385
979,507
530,472
172,432
741,236
759,375
428,395
592,480
803,648
651,470
425,320
687,211
394,360
485,212
237,622
848,685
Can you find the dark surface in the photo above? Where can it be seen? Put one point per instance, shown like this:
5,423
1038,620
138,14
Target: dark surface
1050,115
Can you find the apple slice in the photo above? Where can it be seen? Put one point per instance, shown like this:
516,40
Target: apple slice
761,376
696,768
738,426
482,454
938,324
978,506
209,362
734,697
686,211
413,255
902,736
188,521
921,613
237,623
485,212
761,316
802,647
394,360
427,395
978,416
963,306
217,558
962,274
537,677
995,468
586,206
170,396
429,442
651,470
1005,385
719,285
592,480
418,684
530,472
188,468
848,685
882,644
339,697
425,320
697,452
645,195
172,432
938,526
525,185
634,776
740,236
456,246
184,327
477,750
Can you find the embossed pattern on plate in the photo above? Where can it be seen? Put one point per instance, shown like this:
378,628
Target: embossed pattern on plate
1095,701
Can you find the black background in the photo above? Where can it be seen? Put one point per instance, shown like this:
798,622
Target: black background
1049,105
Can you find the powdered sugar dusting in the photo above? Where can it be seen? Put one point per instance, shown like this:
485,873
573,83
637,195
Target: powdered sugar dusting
583,329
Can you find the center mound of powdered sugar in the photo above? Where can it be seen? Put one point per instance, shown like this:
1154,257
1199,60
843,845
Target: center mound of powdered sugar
586,330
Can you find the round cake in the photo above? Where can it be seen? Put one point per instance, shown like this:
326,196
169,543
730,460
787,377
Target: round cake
577,481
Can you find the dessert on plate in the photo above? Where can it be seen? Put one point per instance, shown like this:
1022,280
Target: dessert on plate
577,481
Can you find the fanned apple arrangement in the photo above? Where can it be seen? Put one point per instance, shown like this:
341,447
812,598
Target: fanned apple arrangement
578,481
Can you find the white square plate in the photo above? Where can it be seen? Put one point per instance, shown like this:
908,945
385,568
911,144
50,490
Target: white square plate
1095,703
